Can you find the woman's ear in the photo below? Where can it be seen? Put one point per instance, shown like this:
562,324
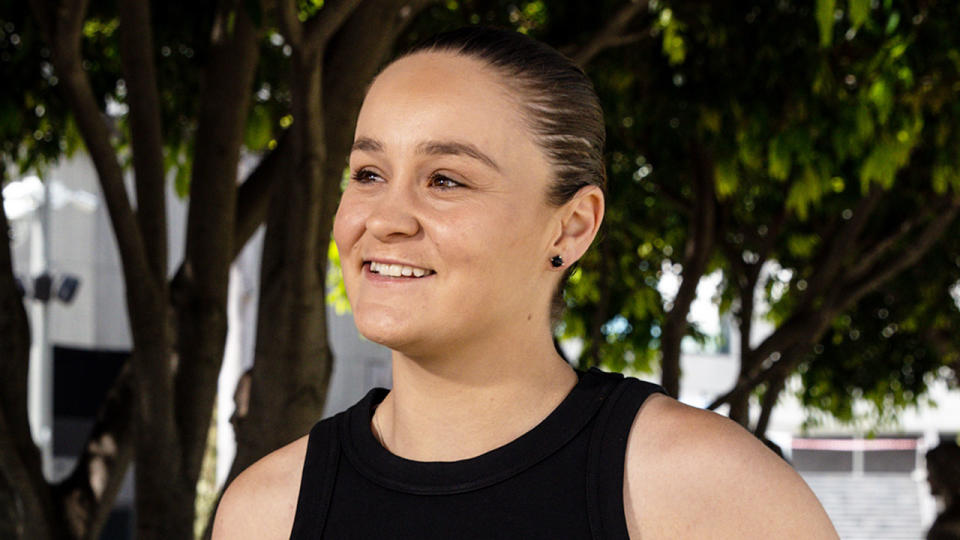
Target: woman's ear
580,220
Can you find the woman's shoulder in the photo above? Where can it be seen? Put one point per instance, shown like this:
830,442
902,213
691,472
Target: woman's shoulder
695,473
261,502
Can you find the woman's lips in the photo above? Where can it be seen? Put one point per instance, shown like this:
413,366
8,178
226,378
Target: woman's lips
396,270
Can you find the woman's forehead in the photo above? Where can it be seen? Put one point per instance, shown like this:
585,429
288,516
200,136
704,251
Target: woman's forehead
435,66
440,79
442,96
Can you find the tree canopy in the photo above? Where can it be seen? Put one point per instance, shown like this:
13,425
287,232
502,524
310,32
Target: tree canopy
738,137
818,140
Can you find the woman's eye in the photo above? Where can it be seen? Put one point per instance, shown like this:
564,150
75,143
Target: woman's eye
365,176
443,182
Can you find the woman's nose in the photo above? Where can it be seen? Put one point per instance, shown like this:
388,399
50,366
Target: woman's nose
394,216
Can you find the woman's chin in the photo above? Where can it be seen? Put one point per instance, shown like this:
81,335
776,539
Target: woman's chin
386,331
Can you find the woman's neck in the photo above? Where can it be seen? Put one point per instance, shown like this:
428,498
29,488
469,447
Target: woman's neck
466,406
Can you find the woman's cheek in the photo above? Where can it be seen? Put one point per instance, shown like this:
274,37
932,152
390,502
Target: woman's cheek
347,224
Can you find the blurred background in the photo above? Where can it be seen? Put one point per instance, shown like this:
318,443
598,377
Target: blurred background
781,245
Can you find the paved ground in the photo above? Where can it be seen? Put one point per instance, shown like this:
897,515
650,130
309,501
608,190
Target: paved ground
874,506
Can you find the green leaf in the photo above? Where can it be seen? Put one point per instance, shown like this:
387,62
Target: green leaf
881,95
674,45
259,129
945,177
824,14
778,159
181,182
858,11
727,179
804,192
802,245
864,123
892,22
336,290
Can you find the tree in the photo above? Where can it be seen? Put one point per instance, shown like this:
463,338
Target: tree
735,137
769,134
187,76
868,190
178,326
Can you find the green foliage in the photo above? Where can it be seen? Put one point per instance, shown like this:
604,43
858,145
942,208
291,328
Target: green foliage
825,13
308,8
790,105
35,129
886,352
671,29
336,291
859,11
795,106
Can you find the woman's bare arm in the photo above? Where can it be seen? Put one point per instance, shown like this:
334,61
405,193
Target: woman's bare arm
262,501
691,473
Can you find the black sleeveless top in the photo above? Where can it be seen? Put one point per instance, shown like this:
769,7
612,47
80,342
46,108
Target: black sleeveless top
561,479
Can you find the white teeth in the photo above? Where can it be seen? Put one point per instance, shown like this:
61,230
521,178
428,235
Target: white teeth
397,270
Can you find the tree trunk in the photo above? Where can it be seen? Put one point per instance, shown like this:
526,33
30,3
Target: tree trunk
25,497
87,495
292,360
775,386
697,253
201,300
740,408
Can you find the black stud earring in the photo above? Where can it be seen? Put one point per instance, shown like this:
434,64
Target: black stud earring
556,261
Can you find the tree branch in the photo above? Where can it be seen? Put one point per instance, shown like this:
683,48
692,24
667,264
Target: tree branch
139,72
674,196
881,248
775,384
838,251
94,131
773,231
320,29
88,493
26,479
60,23
809,326
290,25
799,327
253,195
20,463
612,33
699,248
43,13
253,201
884,273
225,100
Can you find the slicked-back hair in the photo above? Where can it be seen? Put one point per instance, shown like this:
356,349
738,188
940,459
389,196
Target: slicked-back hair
558,103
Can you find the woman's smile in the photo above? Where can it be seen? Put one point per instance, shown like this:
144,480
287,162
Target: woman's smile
384,270
446,203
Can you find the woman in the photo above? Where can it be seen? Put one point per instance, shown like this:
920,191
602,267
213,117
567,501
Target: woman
476,181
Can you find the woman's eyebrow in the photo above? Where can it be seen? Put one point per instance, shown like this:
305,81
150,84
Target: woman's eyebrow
367,144
456,148
434,148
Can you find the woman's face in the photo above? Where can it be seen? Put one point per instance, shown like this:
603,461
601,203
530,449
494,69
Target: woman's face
444,230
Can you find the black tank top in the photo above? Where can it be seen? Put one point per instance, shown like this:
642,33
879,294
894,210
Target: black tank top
561,479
